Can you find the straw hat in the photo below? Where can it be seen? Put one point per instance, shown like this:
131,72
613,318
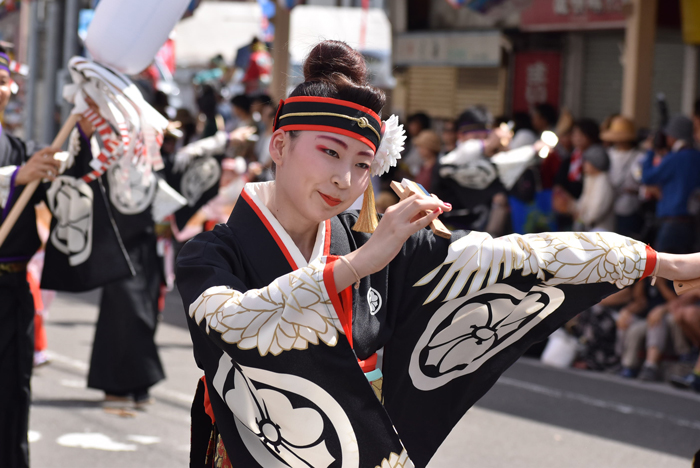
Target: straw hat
621,131
428,139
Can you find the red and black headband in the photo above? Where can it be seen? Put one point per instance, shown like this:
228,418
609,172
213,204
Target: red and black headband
330,115
4,62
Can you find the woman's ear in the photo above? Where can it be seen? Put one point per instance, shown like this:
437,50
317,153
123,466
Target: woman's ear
278,143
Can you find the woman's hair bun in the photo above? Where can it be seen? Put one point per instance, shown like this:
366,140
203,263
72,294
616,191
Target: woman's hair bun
334,60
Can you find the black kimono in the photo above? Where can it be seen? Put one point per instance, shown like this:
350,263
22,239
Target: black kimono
16,309
280,346
102,235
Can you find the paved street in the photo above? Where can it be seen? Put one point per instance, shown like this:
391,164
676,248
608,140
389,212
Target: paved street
534,416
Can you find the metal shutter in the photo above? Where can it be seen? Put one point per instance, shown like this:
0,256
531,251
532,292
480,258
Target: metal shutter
432,90
444,92
669,60
601,93
481,86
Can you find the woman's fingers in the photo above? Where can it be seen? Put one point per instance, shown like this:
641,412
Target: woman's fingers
424,221
414,204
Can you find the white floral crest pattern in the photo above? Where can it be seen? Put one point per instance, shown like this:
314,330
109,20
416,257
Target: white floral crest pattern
572,258
465,333
293,311
396,461
277,433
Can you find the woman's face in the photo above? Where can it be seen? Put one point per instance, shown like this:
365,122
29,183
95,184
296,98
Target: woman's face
320,173
5,92
579,139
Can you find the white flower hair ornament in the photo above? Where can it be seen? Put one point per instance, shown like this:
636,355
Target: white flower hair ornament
390,147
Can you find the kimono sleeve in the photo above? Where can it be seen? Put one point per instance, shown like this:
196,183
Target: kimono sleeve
477,261
472,307
7,183
295,310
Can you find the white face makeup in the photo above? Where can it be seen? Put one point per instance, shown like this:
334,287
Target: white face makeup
5,89
321,174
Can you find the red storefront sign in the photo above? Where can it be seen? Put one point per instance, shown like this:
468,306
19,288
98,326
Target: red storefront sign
536,76
558,15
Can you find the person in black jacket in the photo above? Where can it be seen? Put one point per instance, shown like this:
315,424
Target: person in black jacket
16,304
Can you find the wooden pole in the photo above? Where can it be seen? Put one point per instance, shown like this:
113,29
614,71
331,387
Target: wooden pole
640,36
280,54
29,190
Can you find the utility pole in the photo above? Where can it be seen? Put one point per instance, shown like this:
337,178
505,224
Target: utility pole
53,54
70,47
33,63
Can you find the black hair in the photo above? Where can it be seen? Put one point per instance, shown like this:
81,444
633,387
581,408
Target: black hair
422,118
242,102
548,112
590,128
473,119
264,99
335,70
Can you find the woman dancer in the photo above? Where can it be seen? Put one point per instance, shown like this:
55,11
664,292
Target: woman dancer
289,346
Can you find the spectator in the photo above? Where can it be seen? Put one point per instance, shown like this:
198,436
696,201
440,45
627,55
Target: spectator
411,161
544,117
523,135
696,121
258,75
242,110
643,329
596,332
686,312
207,103
594,209
677,175
428,145
262,146
257,103
625,160
605,126
564,129
569,177
449,136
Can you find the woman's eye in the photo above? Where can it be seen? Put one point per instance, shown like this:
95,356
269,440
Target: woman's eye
330,152
363,166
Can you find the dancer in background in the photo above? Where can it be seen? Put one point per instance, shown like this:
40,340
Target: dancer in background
17,169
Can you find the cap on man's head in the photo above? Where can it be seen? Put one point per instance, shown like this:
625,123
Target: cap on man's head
473,119
681,128
596,156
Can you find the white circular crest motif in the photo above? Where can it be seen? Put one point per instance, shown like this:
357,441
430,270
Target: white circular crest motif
466,332
70,201
131,192
374,300
199,177
276,432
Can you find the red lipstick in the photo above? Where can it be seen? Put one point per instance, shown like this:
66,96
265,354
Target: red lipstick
330,200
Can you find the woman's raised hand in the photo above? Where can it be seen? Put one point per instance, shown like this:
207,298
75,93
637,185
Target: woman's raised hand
399,222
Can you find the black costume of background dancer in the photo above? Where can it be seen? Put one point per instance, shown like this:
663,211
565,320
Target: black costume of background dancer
125,359
16,318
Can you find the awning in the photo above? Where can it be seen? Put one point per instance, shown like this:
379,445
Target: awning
311,24
216,28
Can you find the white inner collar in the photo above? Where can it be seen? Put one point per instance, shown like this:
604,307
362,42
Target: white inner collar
260,193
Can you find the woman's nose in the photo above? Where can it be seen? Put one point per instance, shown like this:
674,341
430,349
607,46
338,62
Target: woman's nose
342,180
